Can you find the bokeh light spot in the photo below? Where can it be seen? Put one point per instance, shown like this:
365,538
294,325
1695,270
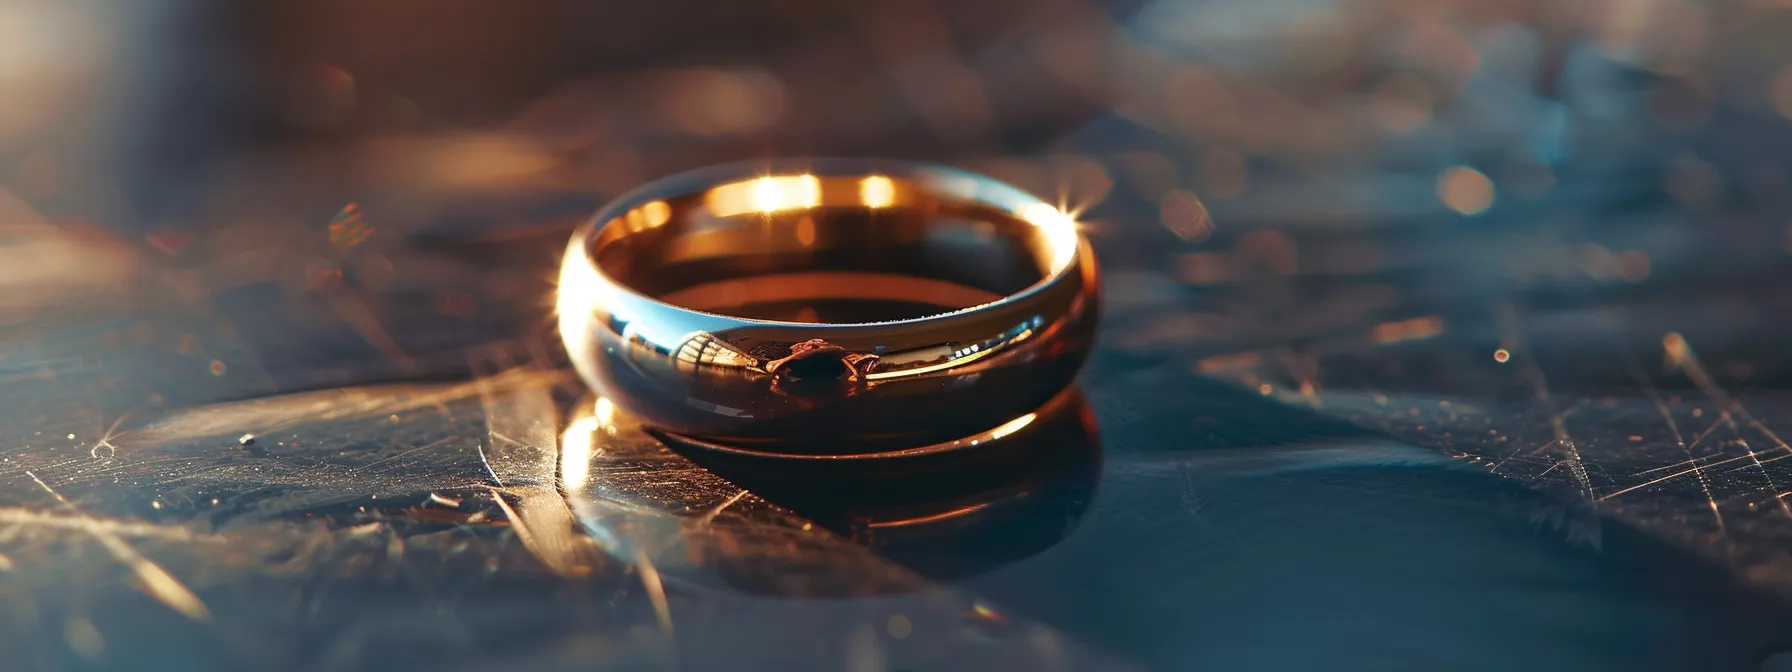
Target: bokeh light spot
1182,212
1465,190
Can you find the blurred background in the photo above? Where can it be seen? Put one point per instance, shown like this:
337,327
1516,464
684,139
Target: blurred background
154,150
1544,240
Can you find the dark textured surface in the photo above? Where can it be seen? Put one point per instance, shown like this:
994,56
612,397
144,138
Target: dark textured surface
1340,419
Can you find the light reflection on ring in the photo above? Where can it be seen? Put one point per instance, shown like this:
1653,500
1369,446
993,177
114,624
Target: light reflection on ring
949,303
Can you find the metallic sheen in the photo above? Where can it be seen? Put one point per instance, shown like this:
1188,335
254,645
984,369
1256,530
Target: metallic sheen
750,305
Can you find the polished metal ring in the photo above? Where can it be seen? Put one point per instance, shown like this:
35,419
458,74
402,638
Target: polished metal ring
828,306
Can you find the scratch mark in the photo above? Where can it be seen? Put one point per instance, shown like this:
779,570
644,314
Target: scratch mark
402,455
520,426
711,515
1692,463
1540,389
1671,476
1547,445
1496,467
1681,355
151,578
544,525
498,436
1667,416
487,463
1775,459
1524,428
1676,465
1708,430
267,415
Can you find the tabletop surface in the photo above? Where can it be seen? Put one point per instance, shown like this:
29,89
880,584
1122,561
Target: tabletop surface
1462,371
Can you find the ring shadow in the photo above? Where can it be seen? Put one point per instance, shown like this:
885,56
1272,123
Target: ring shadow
943,515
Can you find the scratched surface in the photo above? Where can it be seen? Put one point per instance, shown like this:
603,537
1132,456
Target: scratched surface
1433,340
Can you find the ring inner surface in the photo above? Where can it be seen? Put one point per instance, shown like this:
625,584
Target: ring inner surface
833,250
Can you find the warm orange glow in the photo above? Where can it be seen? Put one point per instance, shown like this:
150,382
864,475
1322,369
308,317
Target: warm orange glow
805,232
472,162
580,290
877,191
765,195
1059,228
577,446
582,295
1674,346
649,215
1233,362
923,520
1409,330
1013,426
1465,190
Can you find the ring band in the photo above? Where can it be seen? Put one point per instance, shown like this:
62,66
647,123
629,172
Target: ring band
828,306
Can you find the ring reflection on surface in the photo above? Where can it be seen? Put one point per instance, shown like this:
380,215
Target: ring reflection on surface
737,520
828,307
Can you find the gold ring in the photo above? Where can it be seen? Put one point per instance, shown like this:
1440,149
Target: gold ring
828,307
